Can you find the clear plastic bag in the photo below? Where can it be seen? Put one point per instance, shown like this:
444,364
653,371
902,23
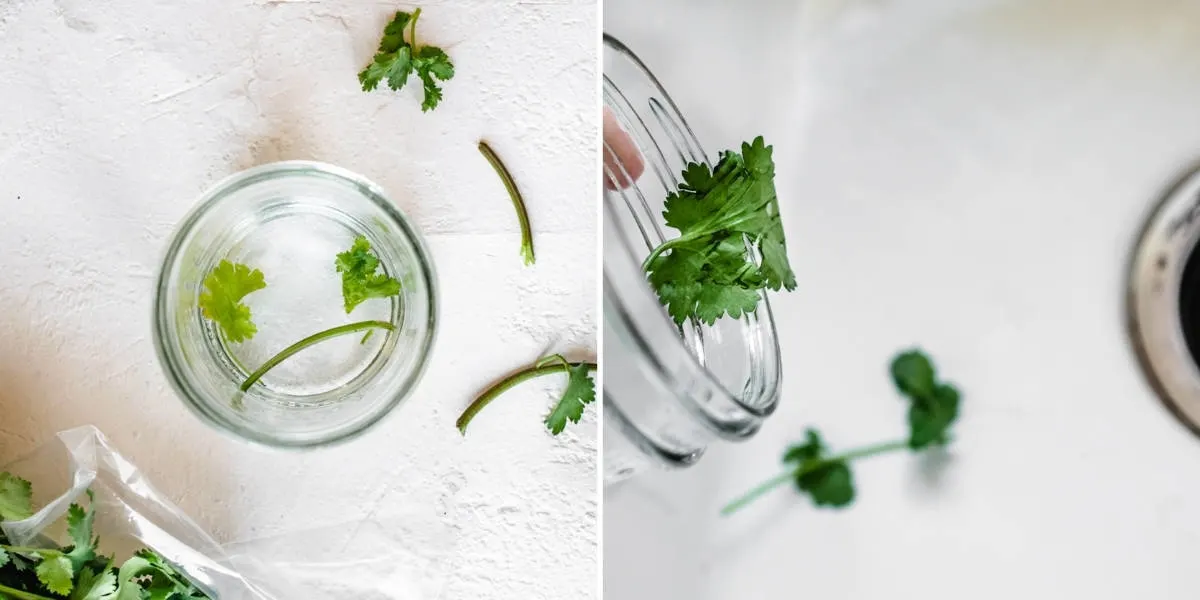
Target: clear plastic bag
362,560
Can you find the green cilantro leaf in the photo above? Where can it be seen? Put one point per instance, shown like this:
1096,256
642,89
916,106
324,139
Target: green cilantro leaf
16,498
4,560
79,527
95,585
934,405
827,479
398,59
56,574
580,392
128,576
722,212
226,285
360,281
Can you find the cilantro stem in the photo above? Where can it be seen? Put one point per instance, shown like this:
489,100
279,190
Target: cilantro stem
309,341
26,550
545,366
518,202
7,592
412,33
782,478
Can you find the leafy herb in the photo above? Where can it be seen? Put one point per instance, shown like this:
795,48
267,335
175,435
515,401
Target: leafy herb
580,391
361,279
721,212
517,200
397,59
77,571
827,479
226,285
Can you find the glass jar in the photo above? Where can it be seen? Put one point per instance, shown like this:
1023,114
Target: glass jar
669,391
289,220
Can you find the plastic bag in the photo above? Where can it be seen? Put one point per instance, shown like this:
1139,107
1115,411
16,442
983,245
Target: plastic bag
362,560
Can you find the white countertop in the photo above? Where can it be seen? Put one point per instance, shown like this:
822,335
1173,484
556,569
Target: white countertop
115,116
971,177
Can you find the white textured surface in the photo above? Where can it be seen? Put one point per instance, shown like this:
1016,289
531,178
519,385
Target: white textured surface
115,115
969,176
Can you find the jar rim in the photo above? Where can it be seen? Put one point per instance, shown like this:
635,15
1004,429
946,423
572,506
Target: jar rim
392,216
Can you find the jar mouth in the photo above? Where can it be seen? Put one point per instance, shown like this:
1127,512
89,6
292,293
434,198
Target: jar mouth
244,215
726,376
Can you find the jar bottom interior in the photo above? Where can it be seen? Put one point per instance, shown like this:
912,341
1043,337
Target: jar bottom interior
295,244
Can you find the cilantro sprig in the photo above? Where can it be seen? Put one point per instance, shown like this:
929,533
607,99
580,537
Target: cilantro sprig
398,59
827,478
77,571
580,391
722,213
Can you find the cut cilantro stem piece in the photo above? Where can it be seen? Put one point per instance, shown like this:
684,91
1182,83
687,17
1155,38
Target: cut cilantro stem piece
315,338
827,478
577,391
517,200
731,243
814,466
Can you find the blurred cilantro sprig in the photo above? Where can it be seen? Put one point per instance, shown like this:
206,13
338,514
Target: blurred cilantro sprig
827,478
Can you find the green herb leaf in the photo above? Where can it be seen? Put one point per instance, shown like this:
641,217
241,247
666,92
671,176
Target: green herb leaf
827,481
4,560
56,574
398,59
16,498
360,281
128,587
708,271
580,392
79,527
226,285
934,405
95,585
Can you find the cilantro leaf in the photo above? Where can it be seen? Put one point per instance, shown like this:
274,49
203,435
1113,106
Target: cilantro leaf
360,281
398,59
827,481
580,392
95,585
934,405
722,212
128,576
226,285
16,498
56,574
79,527
4,560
